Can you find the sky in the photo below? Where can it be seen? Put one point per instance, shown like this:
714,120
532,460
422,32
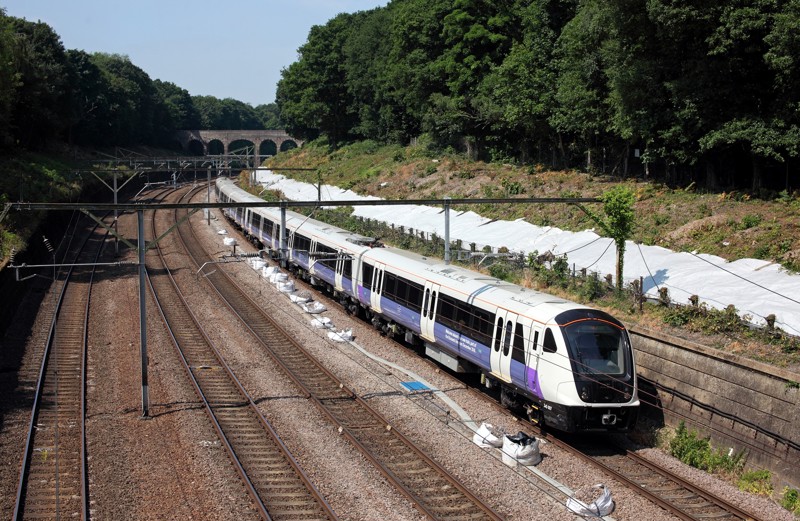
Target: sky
227,49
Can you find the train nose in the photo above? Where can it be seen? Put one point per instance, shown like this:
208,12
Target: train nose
608,419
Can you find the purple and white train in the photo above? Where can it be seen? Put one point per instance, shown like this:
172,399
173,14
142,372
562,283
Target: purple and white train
569,366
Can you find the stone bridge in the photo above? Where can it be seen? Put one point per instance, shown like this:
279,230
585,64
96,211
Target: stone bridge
211,142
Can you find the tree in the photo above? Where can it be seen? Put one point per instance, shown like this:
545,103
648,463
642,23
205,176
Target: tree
312,93
41,109
9,78
269,116
618,207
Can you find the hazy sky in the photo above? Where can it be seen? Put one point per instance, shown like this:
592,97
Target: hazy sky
228,49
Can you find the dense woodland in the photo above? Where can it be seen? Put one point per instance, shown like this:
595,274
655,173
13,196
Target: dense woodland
679,90
49,93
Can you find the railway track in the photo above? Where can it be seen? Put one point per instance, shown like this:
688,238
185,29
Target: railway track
53,480
275,481
668,490
433,491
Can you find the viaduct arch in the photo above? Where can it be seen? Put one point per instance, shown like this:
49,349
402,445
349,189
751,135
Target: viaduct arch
193,139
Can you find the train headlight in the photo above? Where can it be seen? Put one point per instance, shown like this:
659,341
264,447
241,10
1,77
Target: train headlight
584,392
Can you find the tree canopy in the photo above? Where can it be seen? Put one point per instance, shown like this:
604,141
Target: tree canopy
684,90
49,93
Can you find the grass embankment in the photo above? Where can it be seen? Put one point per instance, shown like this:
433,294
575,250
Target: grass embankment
31,177
731,225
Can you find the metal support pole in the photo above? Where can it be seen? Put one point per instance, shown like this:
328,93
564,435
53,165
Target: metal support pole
208,196
143,316
116,216
447,230
284,248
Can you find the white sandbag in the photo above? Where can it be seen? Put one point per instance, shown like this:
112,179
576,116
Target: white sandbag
314,307
344,335
267,271
529,454
321,323
277,277
300,298
602,506
258,264
222,232
521,448
229,241
286,287
488,437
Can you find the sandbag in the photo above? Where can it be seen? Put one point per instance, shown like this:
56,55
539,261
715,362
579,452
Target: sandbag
488,437
521,448
313,307
344,335
602,506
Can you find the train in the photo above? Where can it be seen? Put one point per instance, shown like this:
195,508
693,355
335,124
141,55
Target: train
566,366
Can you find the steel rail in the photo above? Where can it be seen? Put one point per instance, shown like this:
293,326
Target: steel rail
237,400
27,500
367,430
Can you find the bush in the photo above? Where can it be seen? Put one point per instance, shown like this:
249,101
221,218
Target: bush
756,482
697,452
791,500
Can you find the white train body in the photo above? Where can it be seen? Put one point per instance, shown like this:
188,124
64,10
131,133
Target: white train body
571,367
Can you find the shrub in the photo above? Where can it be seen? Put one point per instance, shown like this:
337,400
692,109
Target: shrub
697,452
756,482
791,500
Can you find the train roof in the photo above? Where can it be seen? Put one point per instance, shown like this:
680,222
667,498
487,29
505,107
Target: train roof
476,286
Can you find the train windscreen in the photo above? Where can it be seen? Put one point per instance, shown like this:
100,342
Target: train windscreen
597,347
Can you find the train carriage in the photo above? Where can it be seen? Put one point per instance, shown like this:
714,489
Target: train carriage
569,366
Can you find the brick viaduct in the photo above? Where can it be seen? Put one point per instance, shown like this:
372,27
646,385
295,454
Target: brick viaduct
265,142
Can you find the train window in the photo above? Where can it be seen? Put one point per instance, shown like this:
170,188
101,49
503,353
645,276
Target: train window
518,353
402,291
549,343
467,319
326,256
433,299
498,333
301,243
425,302
597,348
366,275
347,267
507,339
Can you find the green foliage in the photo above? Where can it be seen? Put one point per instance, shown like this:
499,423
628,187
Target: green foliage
791,500
756,482
749,221
697,452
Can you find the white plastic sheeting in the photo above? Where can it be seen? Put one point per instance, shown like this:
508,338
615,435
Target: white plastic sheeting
229,241
757,288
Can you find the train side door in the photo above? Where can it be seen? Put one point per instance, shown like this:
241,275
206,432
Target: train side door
532,357
290,245
427,319
377,287
505,323
339,270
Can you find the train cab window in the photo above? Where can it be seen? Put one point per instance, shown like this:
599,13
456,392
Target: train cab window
518,351
597,348
549,344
